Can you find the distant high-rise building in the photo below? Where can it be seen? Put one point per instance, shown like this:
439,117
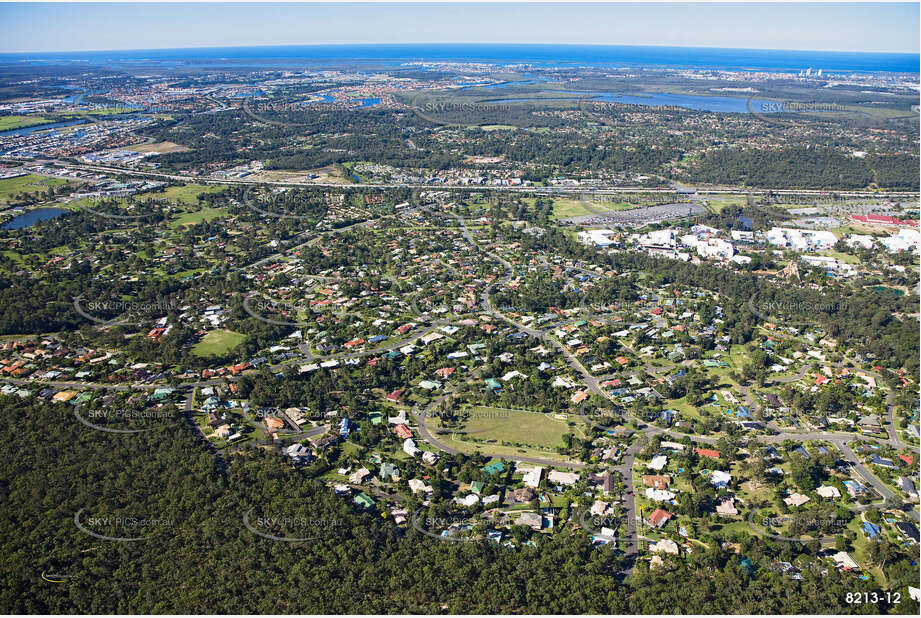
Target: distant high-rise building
808,71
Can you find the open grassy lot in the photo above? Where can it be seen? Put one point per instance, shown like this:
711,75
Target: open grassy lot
184,194
516,426
26,184
159,147
496,450
8,123
564,208
843,257
197,216
507,433
715,204
218,342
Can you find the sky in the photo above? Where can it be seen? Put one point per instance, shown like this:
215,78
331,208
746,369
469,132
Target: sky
882,27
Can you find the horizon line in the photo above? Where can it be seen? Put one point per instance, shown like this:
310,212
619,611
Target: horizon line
478,43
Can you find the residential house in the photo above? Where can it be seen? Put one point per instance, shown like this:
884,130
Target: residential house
659,518
796,499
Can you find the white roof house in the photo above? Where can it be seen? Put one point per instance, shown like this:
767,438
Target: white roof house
658,462
563,478
416,486
659,495
796,499
532,476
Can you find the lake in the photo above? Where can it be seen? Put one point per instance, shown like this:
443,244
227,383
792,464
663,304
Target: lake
702,103
40,127
30,218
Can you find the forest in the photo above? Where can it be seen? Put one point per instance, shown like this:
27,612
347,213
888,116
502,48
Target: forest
202,559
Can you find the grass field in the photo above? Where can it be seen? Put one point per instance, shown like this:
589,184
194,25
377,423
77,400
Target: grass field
717,204
26,184
843,257
159,147
184,194
7,123
564,208
532,430
218,342
197,216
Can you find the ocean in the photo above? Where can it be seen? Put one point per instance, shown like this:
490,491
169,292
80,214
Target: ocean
538,55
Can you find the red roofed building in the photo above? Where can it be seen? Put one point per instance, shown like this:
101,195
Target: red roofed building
706,452
883,220
403,431
445,372
395,395
155,333
908,459
659,518
237,369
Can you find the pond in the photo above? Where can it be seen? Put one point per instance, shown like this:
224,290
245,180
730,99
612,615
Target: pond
30,218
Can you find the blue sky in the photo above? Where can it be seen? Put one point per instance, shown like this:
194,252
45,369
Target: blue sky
886,27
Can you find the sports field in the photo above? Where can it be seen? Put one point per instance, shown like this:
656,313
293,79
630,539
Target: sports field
218,342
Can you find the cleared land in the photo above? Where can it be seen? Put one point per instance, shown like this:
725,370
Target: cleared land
159,147
184,194
500,431
218,342
8,123
26,184
564,208
197,216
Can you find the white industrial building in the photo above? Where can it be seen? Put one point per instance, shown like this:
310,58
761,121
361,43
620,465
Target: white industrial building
659,238
860,240
709,248
598,238
801,240
906,239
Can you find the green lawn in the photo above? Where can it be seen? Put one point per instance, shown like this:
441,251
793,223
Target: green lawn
197,216
7,123
184,194
218,342
717,204
498,425
565,207
26,184
843,257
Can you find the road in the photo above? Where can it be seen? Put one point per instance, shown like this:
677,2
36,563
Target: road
630,543
607,190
